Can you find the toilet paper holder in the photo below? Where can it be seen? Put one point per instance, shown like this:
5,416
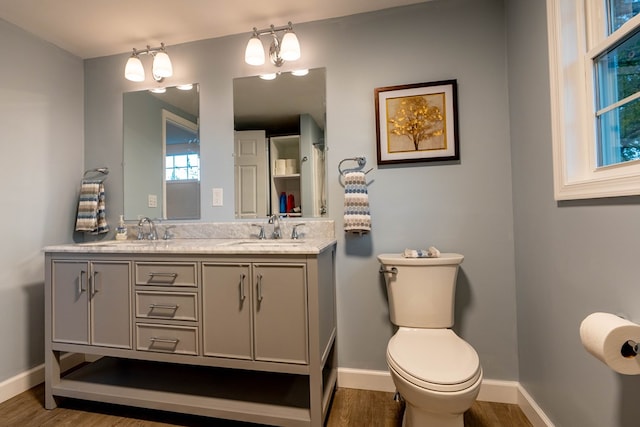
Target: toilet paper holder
629,349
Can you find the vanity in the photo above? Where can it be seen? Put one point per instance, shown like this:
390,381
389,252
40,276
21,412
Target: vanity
240,329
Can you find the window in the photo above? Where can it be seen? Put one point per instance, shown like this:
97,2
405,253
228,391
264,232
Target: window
594,52
183,167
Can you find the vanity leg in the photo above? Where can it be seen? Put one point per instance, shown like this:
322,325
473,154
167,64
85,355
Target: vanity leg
51,377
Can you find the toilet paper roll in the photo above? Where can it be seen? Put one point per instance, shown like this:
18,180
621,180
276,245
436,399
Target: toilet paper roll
292,166
606,337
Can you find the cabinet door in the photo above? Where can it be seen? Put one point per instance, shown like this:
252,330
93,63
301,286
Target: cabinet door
110,296
226,313
69,290
280,313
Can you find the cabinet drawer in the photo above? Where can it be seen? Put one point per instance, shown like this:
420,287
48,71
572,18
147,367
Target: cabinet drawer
166,274
167,305
167,339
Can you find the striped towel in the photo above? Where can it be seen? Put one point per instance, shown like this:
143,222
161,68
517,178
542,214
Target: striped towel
91,207
357,217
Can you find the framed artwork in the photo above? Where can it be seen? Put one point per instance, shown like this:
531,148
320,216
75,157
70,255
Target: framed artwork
417,122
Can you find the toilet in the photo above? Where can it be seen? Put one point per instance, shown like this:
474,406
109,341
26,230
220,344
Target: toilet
435,371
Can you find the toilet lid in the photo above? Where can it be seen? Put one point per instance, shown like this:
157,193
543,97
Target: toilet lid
435,359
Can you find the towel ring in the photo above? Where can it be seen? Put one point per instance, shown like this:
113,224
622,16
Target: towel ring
360,160
100,171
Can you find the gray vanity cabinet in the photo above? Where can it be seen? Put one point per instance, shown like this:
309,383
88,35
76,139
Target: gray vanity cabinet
226,294
255,311
245,336
280,313
86,295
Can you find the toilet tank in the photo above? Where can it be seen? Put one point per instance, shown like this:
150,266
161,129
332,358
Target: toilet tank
421,291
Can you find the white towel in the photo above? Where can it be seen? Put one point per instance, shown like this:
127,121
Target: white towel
432,252
357,217
91,207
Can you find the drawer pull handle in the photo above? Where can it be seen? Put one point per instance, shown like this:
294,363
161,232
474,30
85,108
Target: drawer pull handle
92,283
173,341
173,307
165,276
259,287
242,292
81,288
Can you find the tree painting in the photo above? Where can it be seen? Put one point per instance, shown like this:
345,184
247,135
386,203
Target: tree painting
416,123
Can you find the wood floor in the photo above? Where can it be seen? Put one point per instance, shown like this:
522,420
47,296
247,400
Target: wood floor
359,408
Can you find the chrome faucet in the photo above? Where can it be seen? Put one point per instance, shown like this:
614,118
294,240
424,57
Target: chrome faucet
152,235
277,231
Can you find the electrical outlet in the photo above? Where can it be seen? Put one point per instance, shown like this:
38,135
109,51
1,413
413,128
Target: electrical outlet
217,197
152,200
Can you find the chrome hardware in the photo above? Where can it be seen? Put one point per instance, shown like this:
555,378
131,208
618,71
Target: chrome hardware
153,233
171,276
80,288
259,286
92,283
392,270
164,307
174,341
294,232
242,293
261,233
167,235
277,231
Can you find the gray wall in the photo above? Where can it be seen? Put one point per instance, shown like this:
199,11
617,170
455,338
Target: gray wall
464,207
41,117
572,258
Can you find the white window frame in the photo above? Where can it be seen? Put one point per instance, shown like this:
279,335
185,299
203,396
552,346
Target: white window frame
577,35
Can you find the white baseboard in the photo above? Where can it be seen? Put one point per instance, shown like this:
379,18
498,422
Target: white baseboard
490,391
24,381
534,413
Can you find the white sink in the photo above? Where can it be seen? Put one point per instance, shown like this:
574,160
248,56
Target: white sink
126,243
270,243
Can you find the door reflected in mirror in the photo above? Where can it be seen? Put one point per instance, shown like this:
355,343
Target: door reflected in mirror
280,145
162,154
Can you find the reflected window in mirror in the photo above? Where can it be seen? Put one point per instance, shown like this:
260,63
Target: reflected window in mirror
162,154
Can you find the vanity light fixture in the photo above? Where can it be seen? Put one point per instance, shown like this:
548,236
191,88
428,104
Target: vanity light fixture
269,76
185,87
282,49
161,68
300,73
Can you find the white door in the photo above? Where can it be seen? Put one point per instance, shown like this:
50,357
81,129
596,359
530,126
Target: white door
251,174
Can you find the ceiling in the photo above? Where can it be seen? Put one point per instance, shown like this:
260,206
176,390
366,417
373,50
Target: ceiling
93,28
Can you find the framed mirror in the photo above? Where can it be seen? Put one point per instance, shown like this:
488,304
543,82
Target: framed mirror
162,153
280,144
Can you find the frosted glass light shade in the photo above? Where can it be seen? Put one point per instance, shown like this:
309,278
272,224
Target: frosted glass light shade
162,65
134,70
254,54
290,47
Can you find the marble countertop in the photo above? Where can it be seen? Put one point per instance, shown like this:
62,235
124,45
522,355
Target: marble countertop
200,246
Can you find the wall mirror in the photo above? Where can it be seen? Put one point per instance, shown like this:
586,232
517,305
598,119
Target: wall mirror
162,153
280,144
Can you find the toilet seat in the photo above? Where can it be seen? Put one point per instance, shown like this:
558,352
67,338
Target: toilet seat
434,359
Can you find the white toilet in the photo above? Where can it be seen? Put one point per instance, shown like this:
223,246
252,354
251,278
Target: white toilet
436,372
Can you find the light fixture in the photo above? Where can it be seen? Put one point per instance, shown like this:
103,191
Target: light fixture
268,76
161,68
300,73
280,50
185,87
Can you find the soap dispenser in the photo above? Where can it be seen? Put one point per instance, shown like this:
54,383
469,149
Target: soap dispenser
121,229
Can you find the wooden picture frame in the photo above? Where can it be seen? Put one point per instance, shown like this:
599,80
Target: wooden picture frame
417,122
